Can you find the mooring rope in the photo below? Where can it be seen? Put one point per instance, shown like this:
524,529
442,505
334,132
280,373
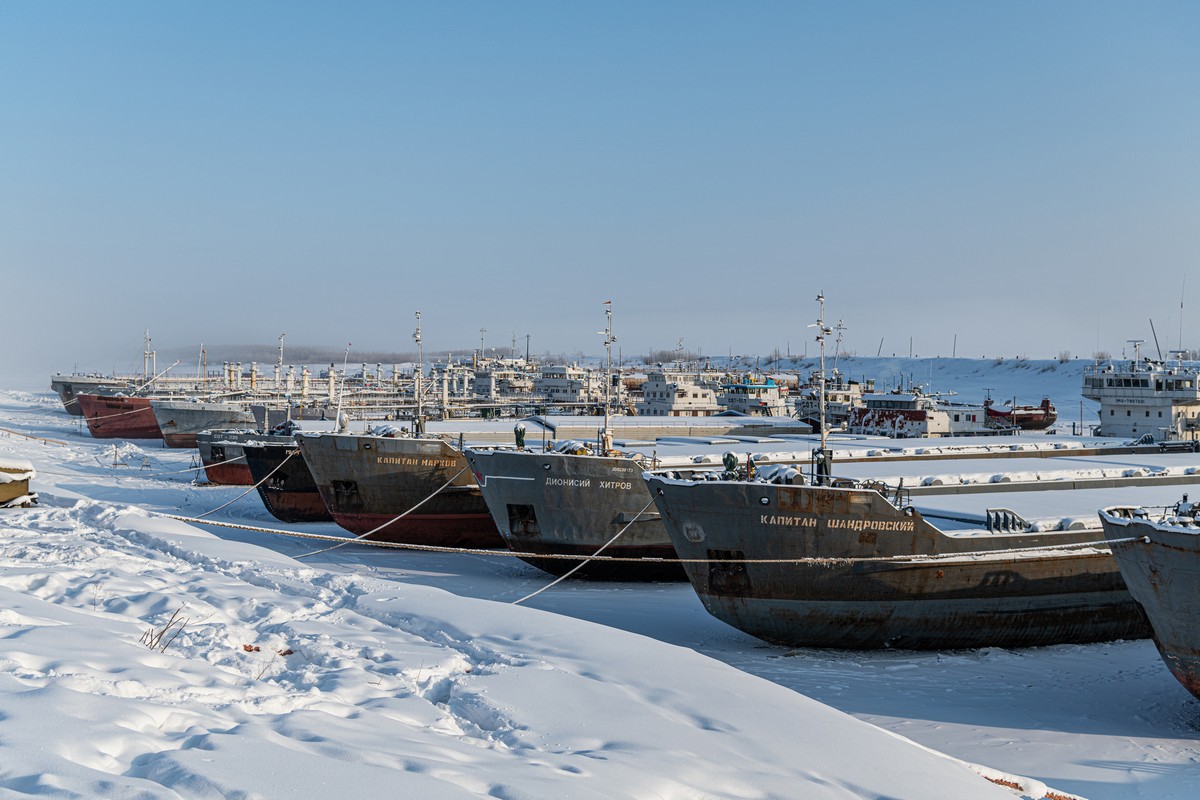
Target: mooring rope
390,521
252,488
342,540
138,410
584,563
34,438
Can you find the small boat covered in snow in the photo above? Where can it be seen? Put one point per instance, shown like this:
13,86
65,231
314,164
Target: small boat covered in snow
1027,418
1159,556
15,475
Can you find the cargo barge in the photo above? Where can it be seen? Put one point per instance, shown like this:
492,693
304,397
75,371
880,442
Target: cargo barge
368,481
847,567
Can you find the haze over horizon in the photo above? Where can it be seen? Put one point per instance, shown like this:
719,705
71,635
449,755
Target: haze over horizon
979,180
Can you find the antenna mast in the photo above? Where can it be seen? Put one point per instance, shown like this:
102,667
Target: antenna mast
823,455
420,373
342,393
606,434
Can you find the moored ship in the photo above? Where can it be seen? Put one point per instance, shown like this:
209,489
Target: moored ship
556,503
756,395
1144,397
415,490
118,416
180,419
1159,557
1026,418
284,480
223,458
819,566
67,387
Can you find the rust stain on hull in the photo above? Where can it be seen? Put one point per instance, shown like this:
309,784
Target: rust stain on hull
844,573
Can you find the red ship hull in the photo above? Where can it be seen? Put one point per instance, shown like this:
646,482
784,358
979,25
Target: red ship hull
229,474
224,460
111,417
1027,418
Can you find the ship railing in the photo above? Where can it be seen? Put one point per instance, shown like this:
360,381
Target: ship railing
1182,513
1006,520
898,495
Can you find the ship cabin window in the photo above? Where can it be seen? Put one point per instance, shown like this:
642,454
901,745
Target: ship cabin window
1158,385
1112,412
1147,412
1160,415
1128,413
956,417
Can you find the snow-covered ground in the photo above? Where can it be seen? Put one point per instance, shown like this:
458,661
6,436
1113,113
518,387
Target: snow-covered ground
361,669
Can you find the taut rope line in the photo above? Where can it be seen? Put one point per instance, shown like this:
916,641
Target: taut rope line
390,521
252,488
583,563
430,548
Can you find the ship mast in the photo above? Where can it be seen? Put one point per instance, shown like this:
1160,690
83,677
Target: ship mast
823,455
419,374
606,434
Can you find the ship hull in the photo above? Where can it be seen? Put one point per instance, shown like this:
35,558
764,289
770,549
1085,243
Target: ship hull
284,482
553,504
369,481
223,458
116,417
67,387
1162,569
821,567
179,421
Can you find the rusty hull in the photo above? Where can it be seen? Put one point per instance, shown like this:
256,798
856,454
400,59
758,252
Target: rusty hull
284,481
559,504
223,458
180,421
816,596
1162,569
118,417
367,481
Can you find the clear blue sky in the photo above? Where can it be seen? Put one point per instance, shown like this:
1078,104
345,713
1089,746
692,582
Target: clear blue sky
1022,175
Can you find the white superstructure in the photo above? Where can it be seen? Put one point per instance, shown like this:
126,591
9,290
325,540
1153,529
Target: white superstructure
676,392
1143,396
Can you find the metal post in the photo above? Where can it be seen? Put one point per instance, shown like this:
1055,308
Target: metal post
420,425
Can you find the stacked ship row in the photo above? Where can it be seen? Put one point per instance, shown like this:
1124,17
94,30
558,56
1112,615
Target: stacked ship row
843,541
960,544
